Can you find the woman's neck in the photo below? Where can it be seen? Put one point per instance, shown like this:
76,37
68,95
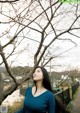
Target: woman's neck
39,85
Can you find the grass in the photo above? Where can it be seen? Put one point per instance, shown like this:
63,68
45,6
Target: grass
70,105
76,93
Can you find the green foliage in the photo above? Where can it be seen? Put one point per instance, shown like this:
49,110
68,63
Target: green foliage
74,97
69,107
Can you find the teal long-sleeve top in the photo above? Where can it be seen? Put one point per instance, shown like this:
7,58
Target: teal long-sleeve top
44,103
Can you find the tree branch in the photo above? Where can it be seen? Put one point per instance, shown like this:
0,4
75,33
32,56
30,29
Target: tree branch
8,1
6,65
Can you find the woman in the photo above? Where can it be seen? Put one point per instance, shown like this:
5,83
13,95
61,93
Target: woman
39,98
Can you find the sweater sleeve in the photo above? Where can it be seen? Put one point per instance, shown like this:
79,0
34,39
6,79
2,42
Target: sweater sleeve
23,109
51,104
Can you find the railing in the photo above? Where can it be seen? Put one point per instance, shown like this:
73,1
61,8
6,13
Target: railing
63,98
67,95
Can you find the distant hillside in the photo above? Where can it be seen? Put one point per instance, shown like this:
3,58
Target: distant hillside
20,70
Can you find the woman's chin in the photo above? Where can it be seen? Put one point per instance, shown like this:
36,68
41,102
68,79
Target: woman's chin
36,79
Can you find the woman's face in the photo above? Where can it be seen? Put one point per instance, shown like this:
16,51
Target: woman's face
37,75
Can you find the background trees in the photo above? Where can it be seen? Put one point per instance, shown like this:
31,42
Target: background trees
37,29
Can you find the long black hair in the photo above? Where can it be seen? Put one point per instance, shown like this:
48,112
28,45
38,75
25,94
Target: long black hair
46,80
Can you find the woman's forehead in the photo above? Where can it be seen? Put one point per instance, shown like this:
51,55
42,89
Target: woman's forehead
38,69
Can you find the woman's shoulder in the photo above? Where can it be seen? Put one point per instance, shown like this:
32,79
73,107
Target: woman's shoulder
27,90
50,94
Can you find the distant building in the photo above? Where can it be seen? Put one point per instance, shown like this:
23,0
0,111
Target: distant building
54,84
18,77
64,77
77,80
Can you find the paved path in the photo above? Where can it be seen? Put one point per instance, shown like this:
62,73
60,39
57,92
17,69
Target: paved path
76,102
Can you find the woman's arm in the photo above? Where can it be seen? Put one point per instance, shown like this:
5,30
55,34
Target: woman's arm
51,105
